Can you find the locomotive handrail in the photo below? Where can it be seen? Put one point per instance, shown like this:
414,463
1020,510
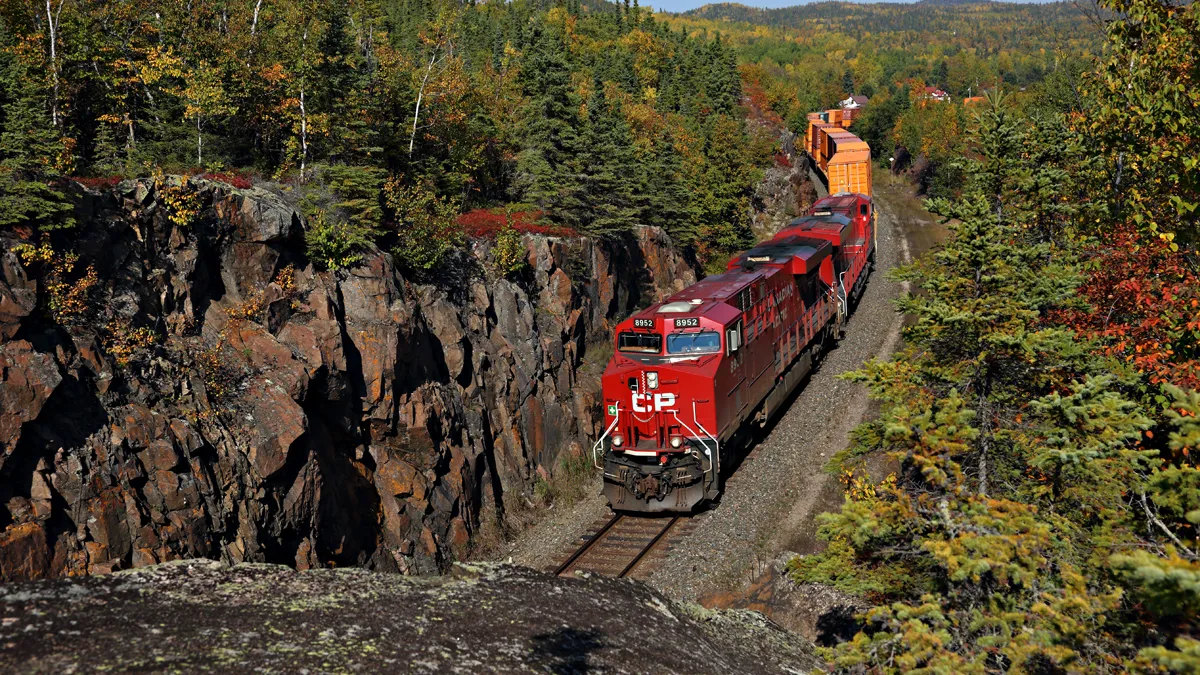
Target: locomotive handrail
843,299
714,458
599,441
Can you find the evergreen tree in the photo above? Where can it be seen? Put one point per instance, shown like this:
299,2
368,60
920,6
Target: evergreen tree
665,201
723,87
108,157
552,139
941,74
988,396
29,150
606,168
339,83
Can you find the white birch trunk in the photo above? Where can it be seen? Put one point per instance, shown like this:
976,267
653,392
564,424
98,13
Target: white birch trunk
303,135
254,23
420,96
52,18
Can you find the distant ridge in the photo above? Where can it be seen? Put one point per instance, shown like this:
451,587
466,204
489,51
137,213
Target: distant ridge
709,10
884,15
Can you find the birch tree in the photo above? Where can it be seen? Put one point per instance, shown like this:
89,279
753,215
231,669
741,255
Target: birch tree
53,25
206,98
437,41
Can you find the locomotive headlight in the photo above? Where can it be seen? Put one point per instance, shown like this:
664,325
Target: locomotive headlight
652,380
618,440
676,441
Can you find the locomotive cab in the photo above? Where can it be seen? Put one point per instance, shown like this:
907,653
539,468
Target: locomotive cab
661,451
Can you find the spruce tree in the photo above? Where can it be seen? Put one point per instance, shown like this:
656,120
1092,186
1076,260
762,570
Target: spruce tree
108,157
606,168
665,200
29,148
552,140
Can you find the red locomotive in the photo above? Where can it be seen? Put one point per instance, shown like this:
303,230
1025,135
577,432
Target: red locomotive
689,374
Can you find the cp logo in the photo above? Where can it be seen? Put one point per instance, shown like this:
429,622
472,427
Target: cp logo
653,402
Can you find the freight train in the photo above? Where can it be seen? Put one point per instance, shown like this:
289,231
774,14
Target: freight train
843,158
691,376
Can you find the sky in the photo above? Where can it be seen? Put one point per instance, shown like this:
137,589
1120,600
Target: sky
684,5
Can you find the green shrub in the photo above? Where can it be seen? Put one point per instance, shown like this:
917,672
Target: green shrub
333,245
509,254
426,225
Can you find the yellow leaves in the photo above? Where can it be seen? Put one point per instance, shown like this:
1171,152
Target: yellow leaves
64,161
862,488
275,73
205,93
67,298
182,203
160,63
645,123
42,254
125,343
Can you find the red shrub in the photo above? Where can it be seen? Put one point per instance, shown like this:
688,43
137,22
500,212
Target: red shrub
98,183
485,223
237,179
1144,307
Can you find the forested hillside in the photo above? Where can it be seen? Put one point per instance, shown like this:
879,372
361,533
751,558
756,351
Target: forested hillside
1043,513
809,57
387,118
827,48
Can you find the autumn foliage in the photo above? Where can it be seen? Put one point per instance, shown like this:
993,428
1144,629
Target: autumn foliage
1143,307
488,223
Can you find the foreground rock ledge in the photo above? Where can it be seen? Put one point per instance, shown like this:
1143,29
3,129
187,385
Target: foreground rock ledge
203,615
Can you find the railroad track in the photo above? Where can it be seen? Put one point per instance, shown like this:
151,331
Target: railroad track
624,546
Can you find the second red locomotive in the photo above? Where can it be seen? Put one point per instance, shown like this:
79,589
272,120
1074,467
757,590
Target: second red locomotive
689,375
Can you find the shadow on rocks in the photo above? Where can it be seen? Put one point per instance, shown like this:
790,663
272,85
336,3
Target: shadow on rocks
567,649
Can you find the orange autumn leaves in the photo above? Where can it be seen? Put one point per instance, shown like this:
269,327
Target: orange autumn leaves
1143,307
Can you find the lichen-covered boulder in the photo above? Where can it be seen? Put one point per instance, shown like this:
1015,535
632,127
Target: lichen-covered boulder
199,615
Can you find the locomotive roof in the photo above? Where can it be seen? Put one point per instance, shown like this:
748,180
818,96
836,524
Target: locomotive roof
781,251
711,295
839,202
826,219
716,288
827,223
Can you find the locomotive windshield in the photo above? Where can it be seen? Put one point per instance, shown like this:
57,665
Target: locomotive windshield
708,342
642,343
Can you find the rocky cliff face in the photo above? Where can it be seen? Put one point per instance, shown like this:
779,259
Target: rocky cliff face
274,413
786,190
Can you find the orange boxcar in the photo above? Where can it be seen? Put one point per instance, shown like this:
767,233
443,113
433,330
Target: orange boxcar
843,158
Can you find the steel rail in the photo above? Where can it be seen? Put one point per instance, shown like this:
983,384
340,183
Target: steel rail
648,547
588,546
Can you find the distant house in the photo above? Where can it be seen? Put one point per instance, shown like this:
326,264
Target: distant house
936,94
856,101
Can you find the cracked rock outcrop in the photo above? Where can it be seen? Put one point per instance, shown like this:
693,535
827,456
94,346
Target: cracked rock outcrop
283,414
189,616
